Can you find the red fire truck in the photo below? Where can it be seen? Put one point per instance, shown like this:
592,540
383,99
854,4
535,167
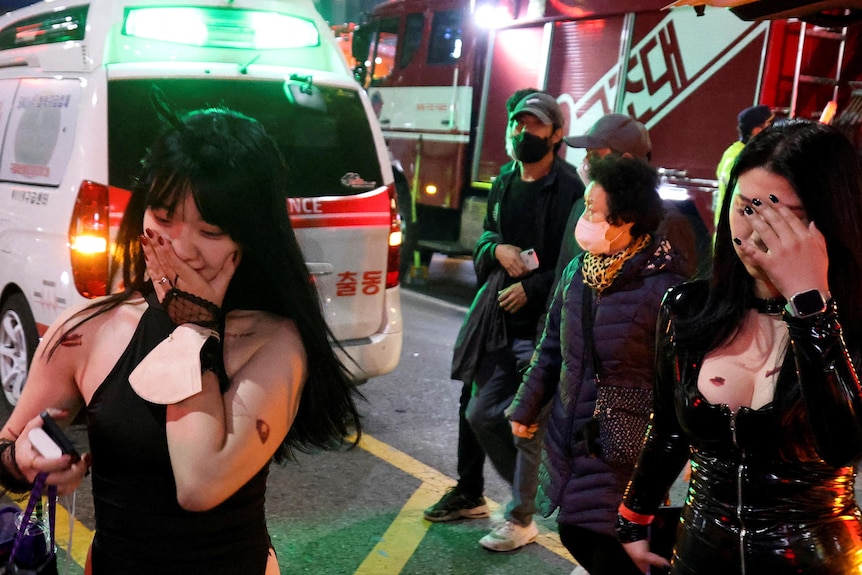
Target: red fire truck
438,74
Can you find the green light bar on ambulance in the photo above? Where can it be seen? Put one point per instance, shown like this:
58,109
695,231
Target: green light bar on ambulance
221,27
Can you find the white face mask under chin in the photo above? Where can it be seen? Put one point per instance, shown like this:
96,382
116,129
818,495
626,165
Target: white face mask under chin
592,236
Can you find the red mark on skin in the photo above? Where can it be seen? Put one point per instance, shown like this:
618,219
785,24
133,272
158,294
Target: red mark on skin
717,381
772,372
263,430
71,340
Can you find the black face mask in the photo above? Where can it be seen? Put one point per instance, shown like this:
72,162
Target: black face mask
529,148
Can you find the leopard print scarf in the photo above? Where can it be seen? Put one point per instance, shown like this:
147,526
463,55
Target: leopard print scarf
601,270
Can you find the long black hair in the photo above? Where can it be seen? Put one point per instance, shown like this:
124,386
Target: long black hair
237,178
822,167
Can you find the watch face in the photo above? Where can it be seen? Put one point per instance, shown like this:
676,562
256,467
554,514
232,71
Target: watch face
808,303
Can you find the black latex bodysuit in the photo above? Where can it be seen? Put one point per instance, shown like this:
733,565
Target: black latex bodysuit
772,490
140,527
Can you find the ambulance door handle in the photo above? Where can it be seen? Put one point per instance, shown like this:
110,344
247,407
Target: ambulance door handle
319,269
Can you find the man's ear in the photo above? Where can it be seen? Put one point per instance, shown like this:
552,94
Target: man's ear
557,135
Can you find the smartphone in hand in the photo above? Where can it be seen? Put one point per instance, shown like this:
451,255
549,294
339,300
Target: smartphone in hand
530,258
50,441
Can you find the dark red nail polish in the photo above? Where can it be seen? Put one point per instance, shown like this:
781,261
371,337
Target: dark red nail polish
747,210
737,241
145,240
773,199
150,233
161,241
757,202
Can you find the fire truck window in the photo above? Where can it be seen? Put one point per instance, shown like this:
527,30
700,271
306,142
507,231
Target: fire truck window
383,51
445,44
412,38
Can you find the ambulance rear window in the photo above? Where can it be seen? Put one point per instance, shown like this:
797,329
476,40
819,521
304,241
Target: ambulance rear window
323,131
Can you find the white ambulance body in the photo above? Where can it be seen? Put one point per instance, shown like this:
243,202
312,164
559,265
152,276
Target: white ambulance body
78,81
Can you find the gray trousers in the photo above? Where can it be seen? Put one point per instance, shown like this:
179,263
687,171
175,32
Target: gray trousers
516,459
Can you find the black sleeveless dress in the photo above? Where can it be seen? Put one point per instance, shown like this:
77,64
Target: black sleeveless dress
140,527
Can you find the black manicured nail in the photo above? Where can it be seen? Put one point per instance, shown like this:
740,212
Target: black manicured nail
737,241
757,202
748,210
773,199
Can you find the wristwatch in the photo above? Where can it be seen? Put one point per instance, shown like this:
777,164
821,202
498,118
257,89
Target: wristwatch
806,303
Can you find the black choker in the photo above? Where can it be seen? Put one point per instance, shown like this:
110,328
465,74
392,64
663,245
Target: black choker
771,306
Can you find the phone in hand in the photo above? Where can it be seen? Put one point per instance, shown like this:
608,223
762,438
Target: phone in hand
530,258
50,441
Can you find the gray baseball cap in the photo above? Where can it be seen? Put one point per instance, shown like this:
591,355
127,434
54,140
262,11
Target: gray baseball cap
543,106
618,132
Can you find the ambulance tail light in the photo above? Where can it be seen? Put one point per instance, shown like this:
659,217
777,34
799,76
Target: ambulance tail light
394,260
89,238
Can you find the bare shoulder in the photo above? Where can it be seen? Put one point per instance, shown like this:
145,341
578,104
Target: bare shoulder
90,318
261,337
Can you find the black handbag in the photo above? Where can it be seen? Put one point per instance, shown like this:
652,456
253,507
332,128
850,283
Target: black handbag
33,549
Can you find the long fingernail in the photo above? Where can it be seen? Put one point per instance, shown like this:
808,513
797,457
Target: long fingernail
773,199
145,241
737,241
161,241
150,233
757,202
747,210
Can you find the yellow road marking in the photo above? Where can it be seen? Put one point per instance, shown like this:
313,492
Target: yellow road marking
404,535
436,483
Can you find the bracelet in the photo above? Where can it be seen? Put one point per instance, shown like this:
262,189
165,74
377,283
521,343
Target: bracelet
184,307
11,477
212,359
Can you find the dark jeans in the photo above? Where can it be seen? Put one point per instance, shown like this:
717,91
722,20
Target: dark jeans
471,456
597,553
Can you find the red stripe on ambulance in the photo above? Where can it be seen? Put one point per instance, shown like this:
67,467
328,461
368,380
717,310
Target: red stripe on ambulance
369,209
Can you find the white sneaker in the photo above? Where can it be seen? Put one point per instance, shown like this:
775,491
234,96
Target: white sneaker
510,536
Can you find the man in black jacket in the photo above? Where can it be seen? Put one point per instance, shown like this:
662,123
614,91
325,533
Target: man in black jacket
528,205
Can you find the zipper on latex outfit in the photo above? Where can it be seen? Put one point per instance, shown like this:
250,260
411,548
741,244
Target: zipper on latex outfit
739,481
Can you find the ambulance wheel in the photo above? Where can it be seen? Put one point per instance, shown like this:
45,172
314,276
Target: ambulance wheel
18,340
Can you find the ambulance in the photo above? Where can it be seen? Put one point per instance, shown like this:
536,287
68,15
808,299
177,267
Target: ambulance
78,84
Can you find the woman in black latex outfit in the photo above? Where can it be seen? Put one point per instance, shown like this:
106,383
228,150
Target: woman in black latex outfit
760,392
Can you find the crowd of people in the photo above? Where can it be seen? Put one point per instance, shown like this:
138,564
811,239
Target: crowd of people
597,361
646,362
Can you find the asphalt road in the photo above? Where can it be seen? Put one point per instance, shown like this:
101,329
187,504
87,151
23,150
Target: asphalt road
359,512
